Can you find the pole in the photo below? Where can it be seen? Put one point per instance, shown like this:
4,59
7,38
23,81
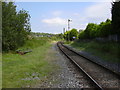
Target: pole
68,24
69,28
63,30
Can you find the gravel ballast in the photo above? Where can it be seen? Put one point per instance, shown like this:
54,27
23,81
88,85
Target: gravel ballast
113,66
66,76
104,77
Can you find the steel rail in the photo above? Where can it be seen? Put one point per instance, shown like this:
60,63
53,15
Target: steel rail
90,77
113,71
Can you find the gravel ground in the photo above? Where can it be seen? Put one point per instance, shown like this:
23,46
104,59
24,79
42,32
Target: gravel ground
102,76
67,76
113,66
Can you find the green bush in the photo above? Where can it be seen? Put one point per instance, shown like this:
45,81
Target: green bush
15,26
71,35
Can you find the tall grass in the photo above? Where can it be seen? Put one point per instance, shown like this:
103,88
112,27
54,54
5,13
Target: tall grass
107,50
25,70
0,70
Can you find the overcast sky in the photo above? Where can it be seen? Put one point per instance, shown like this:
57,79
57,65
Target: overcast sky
51,17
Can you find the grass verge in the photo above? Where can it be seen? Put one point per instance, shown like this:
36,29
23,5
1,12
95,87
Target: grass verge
26,70
0,70
108,51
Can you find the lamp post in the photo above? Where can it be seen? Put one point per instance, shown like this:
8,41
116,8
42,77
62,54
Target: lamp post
69,20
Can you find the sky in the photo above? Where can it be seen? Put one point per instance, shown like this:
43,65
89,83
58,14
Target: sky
52,17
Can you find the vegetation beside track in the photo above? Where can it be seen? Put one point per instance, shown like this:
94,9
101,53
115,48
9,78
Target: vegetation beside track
108,51
106,36
26,70
0,70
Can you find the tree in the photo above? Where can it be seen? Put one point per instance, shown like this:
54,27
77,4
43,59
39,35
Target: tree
66,35
15,26
8,17
90,30
93,30
96,30
104,29
60,36
81,35
73,34
22,26
115,18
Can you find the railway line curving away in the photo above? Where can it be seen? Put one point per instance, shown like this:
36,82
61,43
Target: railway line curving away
102,77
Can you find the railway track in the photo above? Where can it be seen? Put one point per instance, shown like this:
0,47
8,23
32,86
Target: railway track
102,77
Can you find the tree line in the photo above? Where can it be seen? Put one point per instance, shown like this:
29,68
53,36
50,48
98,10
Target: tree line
96,30
104,29
15,26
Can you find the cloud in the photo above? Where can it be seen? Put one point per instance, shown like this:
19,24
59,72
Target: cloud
57,13
99,11
76,14
95,13
55,21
